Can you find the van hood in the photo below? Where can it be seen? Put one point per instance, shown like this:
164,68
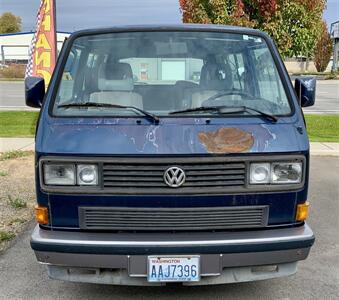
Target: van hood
172,136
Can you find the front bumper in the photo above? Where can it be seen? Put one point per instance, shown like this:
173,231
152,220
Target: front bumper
121,258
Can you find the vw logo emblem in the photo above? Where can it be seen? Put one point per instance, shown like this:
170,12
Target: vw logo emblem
174,177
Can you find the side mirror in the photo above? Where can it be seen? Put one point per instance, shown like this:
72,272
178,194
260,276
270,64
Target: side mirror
34,91
305,88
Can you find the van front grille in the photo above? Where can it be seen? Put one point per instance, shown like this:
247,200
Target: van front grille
172,219
145,176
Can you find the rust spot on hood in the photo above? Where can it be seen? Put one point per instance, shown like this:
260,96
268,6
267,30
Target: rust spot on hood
226,140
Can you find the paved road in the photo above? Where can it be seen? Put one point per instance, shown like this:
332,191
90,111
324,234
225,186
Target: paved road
318,277
12,94
12,97
327,101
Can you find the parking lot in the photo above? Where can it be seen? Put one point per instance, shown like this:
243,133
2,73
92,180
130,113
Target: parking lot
327,101
318,277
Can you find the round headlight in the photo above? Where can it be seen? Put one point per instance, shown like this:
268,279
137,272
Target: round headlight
260,173
87,175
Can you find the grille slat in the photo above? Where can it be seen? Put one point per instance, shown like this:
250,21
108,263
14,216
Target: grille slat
144,184
173,223
160,178
133,178
133,173
188,183
168,219
156,166
215,172
157,215
155,220
214,177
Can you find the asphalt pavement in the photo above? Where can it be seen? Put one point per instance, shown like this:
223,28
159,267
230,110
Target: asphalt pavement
21,277
327,98
12,95
327,102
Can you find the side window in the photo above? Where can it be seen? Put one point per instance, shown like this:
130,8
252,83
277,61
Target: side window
67,81
267,76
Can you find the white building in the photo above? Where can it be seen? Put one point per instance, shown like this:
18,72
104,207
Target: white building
14,47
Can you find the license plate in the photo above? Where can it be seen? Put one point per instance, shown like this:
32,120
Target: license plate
179,268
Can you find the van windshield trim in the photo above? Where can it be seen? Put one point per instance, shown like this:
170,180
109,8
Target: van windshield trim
283,77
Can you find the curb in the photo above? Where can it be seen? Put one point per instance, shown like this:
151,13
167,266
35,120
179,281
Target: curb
324,149
17,144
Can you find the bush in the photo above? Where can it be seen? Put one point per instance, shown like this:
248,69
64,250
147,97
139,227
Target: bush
13,71
323,49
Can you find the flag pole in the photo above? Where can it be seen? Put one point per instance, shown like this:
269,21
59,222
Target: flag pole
55,31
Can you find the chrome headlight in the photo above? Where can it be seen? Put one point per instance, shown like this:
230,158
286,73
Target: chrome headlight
87,174
59,174
276,173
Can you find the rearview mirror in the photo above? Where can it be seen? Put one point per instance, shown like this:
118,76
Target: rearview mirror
305,88
34,91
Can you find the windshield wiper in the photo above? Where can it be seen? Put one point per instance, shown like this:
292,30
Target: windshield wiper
227,110
147,114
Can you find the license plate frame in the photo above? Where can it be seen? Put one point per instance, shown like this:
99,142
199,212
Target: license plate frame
170,266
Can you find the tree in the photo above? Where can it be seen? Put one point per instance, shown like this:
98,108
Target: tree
229,12
323,49
9,23
294,24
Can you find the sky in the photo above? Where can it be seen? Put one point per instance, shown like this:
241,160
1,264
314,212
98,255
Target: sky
79,14
331,13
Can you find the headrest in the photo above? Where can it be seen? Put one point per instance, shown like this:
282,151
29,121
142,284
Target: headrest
115,77
215,76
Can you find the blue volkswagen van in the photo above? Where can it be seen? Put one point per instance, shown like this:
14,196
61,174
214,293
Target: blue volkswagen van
171,154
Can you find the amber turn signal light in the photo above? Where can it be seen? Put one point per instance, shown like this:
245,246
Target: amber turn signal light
41,215
302,211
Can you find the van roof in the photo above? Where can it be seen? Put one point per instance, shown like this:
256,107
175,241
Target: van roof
171,27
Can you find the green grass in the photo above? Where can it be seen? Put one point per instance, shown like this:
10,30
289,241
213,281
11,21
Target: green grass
6,236
18,123
12,79
3,173
16,203
14,154
17,221
323,128
315,73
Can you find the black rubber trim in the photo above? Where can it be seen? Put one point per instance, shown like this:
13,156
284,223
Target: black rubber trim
149,250
62,59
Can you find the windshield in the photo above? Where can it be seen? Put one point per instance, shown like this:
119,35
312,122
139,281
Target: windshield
165,72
